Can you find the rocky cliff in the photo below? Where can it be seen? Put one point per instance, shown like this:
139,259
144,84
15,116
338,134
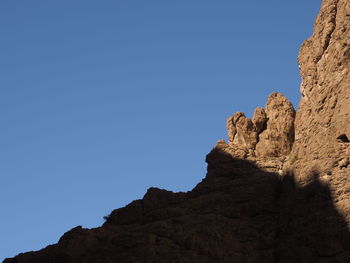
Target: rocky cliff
276,191
322,126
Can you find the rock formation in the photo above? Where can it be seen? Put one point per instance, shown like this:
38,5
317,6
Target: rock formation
278,138
266,140
324,109
277,191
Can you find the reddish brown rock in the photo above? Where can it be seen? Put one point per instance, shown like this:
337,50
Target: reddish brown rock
238,213
260,119
324,109
242,131
322,125
269,134
245,209
278,137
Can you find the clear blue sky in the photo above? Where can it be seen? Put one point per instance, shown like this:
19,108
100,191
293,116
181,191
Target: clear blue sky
100,100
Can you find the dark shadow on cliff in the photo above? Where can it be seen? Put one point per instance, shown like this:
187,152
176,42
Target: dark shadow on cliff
311,229
238,213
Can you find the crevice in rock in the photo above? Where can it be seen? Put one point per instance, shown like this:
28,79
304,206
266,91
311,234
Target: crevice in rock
330,34
343,138
258,133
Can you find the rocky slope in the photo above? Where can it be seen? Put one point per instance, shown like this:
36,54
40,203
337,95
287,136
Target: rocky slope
277,191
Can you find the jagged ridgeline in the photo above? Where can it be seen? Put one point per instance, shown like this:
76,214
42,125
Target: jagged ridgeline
267,139
277,191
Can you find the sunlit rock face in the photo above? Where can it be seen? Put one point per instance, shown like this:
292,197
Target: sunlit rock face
267,139
278,191
324,109
242,132
269,134
278,137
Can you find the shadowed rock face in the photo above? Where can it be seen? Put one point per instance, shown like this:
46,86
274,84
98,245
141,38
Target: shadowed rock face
278,191
324,110
238,213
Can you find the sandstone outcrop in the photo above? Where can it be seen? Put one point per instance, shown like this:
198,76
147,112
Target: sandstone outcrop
238,213
278,137
277,191
267,139
260,119
324,109
242,132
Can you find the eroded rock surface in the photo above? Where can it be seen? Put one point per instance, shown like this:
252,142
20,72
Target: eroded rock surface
260,119
278,191
242,132
238,213
266,139
278,137
324,110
